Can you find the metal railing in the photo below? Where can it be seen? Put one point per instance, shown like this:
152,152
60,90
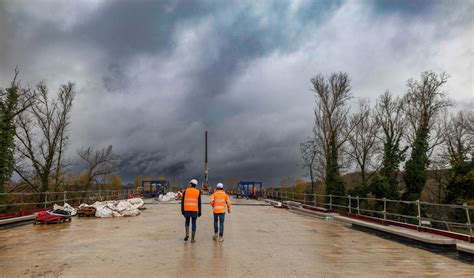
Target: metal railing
453,218
17,201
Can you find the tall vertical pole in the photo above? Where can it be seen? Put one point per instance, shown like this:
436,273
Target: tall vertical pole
206,172
419,212
358,205
384,209
350,203
466,207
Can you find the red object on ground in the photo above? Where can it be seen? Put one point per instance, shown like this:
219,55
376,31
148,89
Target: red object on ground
20,213
45,217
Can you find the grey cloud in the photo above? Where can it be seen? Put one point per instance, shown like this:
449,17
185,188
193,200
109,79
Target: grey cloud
114,79
152,75
408,8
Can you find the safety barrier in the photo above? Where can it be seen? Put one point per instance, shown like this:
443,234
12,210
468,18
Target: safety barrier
423,215
16,203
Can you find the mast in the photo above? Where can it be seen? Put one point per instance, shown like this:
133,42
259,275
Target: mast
206,170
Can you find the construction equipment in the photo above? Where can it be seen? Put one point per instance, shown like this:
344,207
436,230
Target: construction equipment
153,188
249,189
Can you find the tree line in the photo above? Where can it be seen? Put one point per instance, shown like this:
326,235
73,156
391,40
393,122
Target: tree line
393,143
34,127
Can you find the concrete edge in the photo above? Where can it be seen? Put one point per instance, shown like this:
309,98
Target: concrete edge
273,203
17,219
398,231
465,247
312,212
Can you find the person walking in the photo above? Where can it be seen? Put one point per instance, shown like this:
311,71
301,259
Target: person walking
191,208
219,200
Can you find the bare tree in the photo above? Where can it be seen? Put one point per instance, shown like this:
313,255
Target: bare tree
423,106
41,136
99,163
331,124
457,148
309,152
459,137
424,102
363,144
391,119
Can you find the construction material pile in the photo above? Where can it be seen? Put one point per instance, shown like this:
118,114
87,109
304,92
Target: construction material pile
120,208
170,196
86,212
66,207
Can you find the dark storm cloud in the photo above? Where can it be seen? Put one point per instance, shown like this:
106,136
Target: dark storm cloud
125,28
152,75
407,8
141,162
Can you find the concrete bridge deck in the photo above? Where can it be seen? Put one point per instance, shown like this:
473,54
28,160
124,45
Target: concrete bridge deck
259,241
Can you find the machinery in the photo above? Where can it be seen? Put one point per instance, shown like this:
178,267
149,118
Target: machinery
249,189
153,188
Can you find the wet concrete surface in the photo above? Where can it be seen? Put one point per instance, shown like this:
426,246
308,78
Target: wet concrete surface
260,241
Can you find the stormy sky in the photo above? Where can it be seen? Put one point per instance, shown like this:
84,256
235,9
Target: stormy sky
152,75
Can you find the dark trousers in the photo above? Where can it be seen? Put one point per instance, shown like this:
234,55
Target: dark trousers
191,216
219,217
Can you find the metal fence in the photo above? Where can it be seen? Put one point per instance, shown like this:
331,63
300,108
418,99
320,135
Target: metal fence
17,201
453,218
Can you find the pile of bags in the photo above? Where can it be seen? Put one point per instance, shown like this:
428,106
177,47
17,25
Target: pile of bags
65,208
168,197
128,207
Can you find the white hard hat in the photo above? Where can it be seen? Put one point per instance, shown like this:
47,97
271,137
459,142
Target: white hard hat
193,181
220,185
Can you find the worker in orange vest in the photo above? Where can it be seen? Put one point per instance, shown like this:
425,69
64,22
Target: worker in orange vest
254,191
219,200
191,208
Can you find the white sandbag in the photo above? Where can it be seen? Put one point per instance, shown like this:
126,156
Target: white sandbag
116,214
117,208
84,206
104,210
172,195
66,207
136,202
122,205
164,198
55,207
127,209
130,212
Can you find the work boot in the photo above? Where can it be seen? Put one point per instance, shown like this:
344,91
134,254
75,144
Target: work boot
221,238
215,236
187,233
192,237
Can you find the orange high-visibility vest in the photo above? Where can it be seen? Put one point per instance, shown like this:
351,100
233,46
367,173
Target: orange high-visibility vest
219,200
191,196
